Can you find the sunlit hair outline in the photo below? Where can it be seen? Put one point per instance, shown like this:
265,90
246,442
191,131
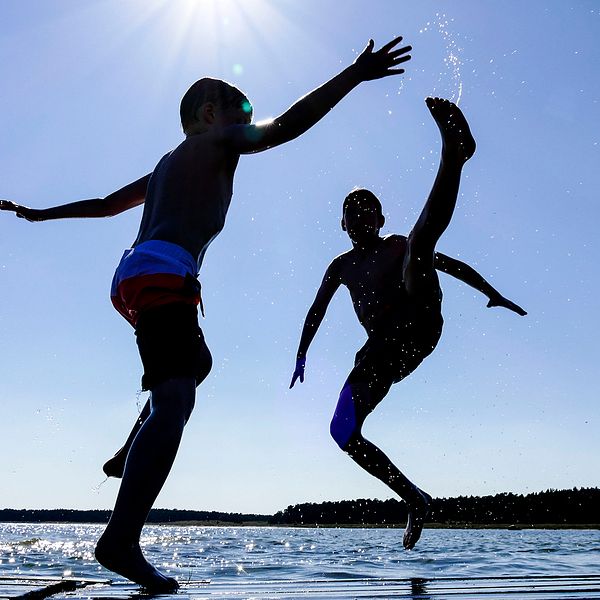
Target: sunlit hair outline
358,195
221,93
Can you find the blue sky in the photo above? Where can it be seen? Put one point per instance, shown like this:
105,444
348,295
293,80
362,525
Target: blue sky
90,102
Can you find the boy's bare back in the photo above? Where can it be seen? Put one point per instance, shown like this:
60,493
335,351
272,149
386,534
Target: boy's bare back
189,194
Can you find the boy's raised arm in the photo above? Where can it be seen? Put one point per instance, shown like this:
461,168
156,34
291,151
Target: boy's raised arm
470,276
123,199
310,109
331,282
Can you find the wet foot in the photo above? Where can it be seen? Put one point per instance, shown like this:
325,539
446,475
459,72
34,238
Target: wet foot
127,560
115,466
457,140
417,515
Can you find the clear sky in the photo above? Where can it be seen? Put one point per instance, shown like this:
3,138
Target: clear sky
89,101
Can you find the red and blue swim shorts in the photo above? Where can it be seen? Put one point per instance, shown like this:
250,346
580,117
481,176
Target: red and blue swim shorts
156,290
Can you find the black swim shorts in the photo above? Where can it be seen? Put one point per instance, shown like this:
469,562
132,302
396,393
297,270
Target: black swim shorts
396,349
171,344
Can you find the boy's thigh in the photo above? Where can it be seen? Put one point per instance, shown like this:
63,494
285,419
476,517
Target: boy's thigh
371,378
171,345
421,282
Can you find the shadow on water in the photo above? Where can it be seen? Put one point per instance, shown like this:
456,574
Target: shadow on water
418,588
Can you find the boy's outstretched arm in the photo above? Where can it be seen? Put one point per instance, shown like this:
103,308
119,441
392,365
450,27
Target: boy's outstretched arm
329,285
471,277
127,197
309,109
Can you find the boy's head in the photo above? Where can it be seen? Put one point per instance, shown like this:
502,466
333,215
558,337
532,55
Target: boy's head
209,100
362,214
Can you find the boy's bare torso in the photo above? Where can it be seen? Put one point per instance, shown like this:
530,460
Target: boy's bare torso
374,279
188,195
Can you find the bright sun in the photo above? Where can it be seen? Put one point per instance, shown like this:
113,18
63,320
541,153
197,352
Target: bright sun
209,27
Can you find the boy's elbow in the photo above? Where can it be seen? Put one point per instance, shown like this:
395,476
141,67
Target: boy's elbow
106,208
280,131
110,209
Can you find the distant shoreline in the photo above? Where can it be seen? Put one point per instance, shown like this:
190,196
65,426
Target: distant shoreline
218,523
520,527
577,508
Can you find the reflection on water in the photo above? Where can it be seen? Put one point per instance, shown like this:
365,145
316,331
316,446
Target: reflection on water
263,553
418,587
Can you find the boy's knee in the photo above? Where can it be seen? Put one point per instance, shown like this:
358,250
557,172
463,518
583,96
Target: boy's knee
174,399
344,426
342,431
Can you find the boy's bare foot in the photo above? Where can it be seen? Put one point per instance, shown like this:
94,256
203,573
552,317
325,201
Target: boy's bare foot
115,466
456,136
126,559
417,515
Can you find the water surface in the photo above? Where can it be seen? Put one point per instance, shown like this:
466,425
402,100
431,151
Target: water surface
274,553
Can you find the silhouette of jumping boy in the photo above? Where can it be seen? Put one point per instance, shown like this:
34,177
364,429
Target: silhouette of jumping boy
186,198
397,298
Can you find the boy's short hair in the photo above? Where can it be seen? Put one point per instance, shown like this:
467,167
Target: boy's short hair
358,195
222,94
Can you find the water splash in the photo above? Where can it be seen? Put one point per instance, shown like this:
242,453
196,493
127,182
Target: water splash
96,488
450,76
401,86
138,400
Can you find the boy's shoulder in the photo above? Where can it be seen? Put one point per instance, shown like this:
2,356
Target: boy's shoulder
342,259
338,266
211,140
348,259
394,245
394,238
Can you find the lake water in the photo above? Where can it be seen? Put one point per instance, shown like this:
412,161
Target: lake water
264,554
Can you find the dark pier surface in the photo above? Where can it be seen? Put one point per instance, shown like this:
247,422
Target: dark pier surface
532,587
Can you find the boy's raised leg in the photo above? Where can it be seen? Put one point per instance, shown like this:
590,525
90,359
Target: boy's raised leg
458,145
148,464
419,274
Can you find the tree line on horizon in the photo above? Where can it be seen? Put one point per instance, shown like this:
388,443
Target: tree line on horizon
157,515
578,506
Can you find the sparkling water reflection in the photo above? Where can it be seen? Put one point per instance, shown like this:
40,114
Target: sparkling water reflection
264,553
